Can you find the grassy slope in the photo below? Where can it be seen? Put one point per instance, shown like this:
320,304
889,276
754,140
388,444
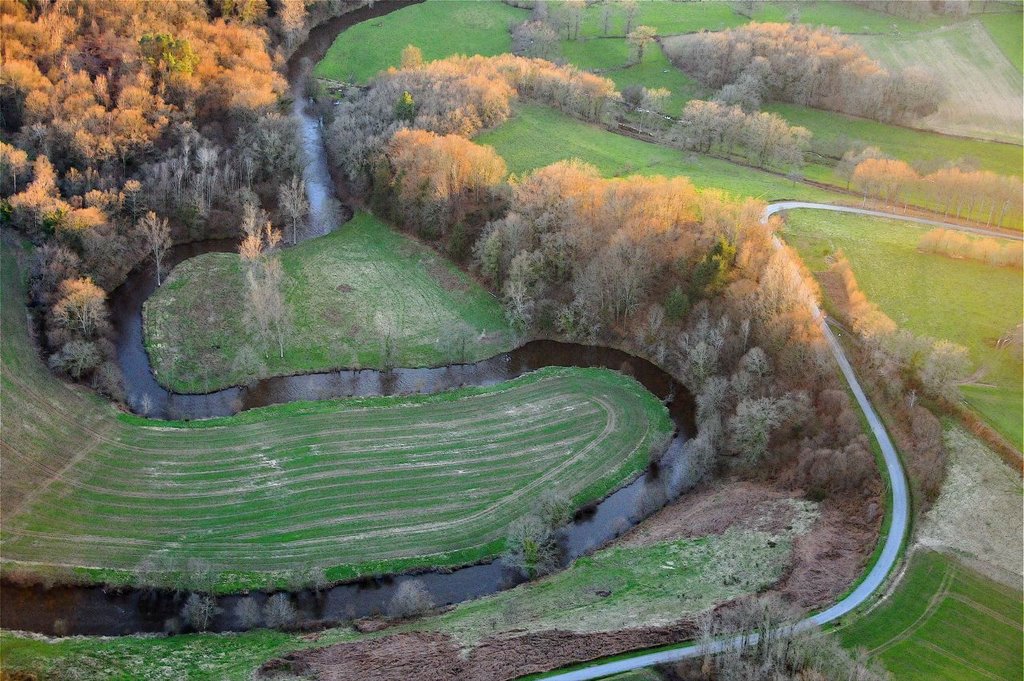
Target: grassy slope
964,301
984,88
658,583
944,622
346,290
914,146
538,136
483,31
309,484
1007,31
438,27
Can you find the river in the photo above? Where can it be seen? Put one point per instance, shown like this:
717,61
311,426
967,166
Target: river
97,610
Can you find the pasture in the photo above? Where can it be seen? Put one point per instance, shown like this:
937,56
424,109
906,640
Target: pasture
967,302
537,136
347,292
983,86
943,622
352,486
440,28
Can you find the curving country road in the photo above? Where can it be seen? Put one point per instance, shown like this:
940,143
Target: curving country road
893,472
780,206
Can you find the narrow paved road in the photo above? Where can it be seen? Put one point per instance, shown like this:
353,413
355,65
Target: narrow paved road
791,205
890,549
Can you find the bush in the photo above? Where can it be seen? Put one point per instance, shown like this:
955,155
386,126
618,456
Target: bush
278,611
411,599
199,611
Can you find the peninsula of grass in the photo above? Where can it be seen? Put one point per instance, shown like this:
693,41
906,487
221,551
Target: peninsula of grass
944,622
351,487
963,301
363,296
538,136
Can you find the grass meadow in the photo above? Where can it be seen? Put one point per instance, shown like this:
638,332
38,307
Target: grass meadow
356,486
537,136
964,301
944,622
347,291
440,28
983,86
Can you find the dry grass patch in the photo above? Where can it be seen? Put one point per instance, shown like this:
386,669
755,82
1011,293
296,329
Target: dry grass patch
984,90
978,513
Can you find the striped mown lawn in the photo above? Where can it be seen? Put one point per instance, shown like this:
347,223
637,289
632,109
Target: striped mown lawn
944,621
351,486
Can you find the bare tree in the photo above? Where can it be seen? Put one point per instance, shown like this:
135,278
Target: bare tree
411,598
630,7
292,197
247,613
199,611
156,234
530,547
639,40
278,611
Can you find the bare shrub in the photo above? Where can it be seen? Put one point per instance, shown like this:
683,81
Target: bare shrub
530,547
199,611
411,599
247,613
278,611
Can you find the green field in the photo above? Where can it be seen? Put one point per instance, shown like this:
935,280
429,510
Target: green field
440,28
983,87
919,148
1007,31
347,291
944,622
538,136
689,17
610,57
963,301
351,486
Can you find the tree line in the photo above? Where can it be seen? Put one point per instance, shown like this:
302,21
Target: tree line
691,280
910,366
979,194
458,95
954,244
817,67
762,139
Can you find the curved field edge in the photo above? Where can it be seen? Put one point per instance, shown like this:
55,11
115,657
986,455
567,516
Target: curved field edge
75,472
345,291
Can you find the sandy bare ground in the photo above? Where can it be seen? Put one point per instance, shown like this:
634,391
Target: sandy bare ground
984,90
978,513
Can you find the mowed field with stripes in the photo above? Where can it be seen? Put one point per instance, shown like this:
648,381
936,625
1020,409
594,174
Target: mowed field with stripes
350,486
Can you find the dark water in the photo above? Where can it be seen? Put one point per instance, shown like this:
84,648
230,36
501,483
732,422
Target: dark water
103,611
